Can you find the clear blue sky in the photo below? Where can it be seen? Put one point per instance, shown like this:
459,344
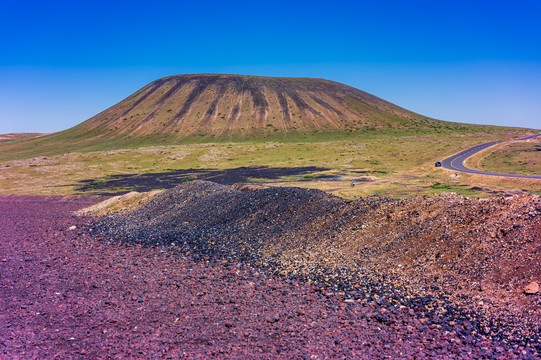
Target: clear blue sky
466,61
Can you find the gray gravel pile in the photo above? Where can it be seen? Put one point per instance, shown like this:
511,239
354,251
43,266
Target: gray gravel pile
210,220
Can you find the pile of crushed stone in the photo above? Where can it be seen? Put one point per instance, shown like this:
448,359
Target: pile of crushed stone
447,256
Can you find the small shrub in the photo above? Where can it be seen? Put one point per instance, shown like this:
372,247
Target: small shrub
441,186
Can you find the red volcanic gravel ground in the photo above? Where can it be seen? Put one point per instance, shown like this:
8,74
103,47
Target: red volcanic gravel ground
65,294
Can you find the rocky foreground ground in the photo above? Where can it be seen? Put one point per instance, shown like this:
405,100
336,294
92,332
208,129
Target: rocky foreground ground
206,271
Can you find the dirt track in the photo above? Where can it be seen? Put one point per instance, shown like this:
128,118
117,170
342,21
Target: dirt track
66,294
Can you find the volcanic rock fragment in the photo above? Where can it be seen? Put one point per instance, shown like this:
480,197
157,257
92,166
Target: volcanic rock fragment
532,288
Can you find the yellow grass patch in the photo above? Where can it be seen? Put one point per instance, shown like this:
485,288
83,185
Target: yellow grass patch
130,201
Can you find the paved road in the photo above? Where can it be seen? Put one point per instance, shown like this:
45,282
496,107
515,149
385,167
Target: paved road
456,162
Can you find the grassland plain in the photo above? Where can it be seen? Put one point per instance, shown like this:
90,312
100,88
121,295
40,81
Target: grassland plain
396,165
511,157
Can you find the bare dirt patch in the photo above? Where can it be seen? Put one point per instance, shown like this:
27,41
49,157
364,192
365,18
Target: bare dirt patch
17,136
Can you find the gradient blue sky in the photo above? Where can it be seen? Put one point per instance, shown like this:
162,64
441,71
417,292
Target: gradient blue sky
466,61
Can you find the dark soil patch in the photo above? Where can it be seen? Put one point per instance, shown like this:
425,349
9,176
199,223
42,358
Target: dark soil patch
123,183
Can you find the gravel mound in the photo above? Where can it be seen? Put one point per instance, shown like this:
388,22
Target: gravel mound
214,220
453,258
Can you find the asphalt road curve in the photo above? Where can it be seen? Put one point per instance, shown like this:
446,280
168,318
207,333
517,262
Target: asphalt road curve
456,162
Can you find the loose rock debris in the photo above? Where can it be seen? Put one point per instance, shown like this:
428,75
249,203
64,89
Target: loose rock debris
532,288
452,259
76,294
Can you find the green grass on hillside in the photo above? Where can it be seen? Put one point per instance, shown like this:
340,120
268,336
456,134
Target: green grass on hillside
94,140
